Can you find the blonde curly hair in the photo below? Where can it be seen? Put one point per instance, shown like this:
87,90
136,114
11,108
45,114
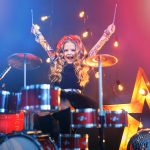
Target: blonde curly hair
80,69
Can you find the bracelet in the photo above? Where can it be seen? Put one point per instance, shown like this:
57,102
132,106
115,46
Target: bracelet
107,32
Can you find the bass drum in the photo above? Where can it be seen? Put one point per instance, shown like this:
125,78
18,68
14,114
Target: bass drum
22,141
140,141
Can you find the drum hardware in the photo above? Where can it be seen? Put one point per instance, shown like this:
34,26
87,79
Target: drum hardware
25,61
101,112
28,120
103,60
32,132
73,141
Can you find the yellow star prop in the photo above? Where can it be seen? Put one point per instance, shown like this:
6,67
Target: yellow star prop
135,106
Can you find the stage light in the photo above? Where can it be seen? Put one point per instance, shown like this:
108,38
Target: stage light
141,125
120,87
116,42
143,92
96,75
48,60
81,14
85,34
44,18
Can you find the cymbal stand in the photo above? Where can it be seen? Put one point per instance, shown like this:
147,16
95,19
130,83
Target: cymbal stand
101,112
25,70
29,116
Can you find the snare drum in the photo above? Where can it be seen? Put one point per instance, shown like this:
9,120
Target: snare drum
116,119
40,97
84,118
73,142
22,141
11,122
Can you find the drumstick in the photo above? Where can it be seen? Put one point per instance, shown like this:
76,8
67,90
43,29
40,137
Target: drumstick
114,18
5,72
32,16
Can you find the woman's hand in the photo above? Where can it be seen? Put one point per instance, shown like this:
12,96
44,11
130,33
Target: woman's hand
35,29
38,35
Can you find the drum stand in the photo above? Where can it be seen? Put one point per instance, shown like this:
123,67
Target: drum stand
29,121
25,61
101,111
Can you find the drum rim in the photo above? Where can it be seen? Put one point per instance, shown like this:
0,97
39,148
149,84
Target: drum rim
29,137
88,125
70,135
4,92
115,112
36,86
39,108
83,110
40,86
80,135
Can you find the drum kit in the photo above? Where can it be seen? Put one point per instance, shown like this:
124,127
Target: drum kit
17,110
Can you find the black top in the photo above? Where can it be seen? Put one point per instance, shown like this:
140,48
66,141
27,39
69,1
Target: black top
69,78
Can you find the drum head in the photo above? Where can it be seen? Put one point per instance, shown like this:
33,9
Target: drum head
19,142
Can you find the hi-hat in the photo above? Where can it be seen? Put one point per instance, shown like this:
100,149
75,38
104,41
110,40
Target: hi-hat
18,60
105,59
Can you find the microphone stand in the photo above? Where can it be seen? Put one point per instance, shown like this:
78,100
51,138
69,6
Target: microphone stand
101,112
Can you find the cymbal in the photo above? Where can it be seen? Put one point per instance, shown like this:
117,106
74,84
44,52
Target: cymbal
106,60
17,61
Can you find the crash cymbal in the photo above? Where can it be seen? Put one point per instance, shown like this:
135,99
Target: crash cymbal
17,60
106,60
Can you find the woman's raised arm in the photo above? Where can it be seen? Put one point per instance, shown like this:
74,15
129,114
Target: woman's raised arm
40,39
103,39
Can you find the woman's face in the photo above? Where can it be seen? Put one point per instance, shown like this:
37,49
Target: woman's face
70,52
